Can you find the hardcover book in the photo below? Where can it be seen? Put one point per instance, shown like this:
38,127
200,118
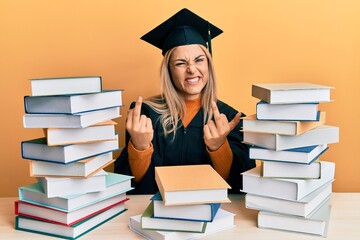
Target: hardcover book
274,169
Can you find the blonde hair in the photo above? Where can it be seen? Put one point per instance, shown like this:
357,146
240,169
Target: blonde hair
170,105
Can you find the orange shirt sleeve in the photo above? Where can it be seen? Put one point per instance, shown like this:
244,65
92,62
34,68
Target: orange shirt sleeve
139,161
222,159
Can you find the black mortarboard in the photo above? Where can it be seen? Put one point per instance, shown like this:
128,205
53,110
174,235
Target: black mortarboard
183,28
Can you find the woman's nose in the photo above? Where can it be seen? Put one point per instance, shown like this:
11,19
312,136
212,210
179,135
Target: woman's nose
191,69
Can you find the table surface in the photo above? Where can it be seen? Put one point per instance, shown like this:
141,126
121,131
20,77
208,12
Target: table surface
344,221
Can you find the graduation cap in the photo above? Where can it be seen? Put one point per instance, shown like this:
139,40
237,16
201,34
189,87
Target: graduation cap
183,28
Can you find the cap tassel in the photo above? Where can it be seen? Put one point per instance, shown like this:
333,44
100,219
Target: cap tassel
209,39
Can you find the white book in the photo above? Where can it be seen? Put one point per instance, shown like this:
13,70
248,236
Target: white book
274,169
223,220
79,120
75,103
284,188
58,187
65,85
323,134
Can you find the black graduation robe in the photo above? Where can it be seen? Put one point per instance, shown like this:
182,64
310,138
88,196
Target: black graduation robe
187,148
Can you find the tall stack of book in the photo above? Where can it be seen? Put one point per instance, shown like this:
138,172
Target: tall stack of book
292,187
73,194
187,205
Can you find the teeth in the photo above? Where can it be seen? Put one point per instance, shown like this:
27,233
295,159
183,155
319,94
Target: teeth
193,79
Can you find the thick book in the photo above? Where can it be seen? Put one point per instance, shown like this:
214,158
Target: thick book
80,169
191,184
284,188
274,169
94,133
46,214
69,232
37,149
298,92
303,155
65,85
316,224
302,207
79,120
161,224
252,124
323,134
197,212
223,220
75,103
58,187
292,112
115,184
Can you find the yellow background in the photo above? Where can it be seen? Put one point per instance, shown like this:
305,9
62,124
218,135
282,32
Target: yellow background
264,41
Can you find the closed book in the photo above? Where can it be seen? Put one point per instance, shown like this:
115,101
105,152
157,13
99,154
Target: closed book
291,170
323,134
58,187
75,103
98,132
78,120
191,184
149,222
115,185
298,92
303,155
252,124
82,168
198,212
46,214
65,85
302,207
69,232
284,188
223,220
37,149
293,112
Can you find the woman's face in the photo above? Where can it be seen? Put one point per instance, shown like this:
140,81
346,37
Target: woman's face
189,70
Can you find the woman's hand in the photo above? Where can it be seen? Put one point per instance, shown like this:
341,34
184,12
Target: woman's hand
139,127
215,133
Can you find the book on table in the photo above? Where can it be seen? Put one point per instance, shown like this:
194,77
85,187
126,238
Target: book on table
191,184
75,103
323,134
277,93
79,120
82,168
65,85
274,169
57,187
37,149
285,188
252,124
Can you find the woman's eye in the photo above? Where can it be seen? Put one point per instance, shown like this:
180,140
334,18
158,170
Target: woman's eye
199,60
179,64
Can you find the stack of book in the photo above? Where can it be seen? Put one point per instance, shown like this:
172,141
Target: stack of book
73,194
292,186
187,205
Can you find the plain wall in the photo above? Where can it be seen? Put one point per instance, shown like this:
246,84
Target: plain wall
264,41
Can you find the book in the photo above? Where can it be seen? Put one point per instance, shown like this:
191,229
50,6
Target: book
115,184
277,93
46,214
82,168
69,232
316,224
149,222
291,170
303,155
223,220
98,132
252,124
37,149
57,187
65,85
79,120
181,185
75,103
323,134
293,112
284,188
302,207
198,212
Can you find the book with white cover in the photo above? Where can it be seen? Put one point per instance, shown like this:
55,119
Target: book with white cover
274,169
